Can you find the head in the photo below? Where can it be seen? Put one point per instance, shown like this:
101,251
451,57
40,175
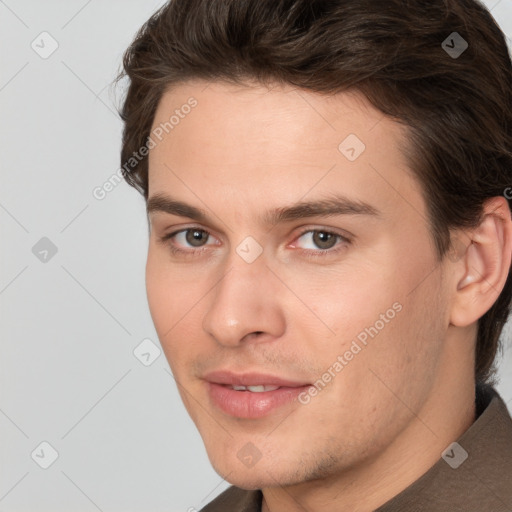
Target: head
265,117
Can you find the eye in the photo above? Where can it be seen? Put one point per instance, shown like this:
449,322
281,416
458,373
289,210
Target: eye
185,240
315,242
320,242
193,236
322,239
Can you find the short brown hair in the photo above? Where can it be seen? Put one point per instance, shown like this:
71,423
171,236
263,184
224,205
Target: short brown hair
457,108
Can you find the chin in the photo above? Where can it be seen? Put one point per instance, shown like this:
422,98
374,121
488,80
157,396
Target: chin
261,475
235,472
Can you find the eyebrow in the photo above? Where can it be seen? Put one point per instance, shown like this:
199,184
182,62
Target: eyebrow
333,205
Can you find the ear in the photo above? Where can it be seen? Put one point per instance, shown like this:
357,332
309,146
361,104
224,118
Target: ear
482,264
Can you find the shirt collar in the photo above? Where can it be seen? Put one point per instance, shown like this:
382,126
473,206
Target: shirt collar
482,481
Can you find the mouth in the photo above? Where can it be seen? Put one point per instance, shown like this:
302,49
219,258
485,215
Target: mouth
251,395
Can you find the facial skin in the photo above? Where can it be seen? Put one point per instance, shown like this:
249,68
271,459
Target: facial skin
381,421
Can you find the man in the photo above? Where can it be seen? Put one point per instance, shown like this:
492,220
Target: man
328,192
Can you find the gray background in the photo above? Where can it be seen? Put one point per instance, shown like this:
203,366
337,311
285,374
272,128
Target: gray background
70,323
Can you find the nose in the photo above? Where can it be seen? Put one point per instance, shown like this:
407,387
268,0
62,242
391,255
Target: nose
245,305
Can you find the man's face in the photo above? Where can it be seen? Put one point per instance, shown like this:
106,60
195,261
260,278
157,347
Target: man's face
354,301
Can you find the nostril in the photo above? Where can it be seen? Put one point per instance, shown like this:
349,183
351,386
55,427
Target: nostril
253,335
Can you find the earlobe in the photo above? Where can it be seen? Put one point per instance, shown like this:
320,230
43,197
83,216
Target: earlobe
486,264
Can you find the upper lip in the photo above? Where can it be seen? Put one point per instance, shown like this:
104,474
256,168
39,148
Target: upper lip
229,378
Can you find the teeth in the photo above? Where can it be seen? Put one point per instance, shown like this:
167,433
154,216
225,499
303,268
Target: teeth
255,389
259,389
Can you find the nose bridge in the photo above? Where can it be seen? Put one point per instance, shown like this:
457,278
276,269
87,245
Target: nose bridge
244,299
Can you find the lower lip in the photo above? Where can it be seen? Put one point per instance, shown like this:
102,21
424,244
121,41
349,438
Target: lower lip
246,404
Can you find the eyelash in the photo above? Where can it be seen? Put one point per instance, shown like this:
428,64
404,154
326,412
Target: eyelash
309,253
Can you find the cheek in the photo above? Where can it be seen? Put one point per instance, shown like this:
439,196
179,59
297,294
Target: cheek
390,315
169,293
350,300
169,301
160,300
403,358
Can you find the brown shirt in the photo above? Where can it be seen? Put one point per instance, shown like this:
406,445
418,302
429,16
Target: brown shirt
481,483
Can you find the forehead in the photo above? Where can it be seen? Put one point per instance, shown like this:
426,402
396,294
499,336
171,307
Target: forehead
265,142
254,112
